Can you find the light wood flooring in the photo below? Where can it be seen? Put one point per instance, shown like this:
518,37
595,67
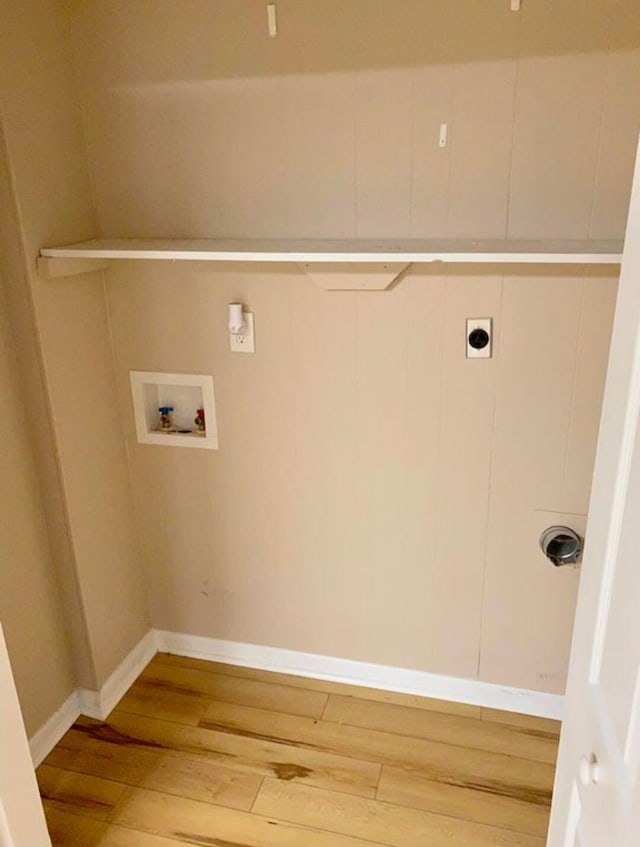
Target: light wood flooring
221,756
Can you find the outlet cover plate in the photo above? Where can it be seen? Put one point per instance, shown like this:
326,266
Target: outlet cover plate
479,323
244,342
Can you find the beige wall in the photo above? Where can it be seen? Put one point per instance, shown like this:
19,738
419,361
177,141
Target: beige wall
31,606
198,124
63,345
375,495
37,418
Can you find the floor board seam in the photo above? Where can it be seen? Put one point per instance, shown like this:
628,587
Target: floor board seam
434,740
388,804
255,799
231,729
311,684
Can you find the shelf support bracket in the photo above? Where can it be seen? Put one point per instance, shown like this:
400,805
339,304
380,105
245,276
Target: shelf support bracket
353,276
51,268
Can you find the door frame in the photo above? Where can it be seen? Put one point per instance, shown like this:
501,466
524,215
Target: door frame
22,821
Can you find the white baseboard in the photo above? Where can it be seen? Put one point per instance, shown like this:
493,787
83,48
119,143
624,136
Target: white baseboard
367,674
98,704
46,738
93,704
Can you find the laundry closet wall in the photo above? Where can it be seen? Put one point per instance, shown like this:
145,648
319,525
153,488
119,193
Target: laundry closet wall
31,607
375,495
72,599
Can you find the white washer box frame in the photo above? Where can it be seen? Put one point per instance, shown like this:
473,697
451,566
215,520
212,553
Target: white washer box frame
146,414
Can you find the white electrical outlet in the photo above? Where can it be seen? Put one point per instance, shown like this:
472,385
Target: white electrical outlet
479,338
243,342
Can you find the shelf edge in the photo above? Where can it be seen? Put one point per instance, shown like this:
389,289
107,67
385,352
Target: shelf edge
59,254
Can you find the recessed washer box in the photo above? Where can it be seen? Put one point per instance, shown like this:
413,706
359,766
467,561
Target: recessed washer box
186,393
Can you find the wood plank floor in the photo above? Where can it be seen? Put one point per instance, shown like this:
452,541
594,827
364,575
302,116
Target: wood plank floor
207,754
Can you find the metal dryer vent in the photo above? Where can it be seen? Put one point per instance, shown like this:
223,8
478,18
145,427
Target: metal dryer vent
561,545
